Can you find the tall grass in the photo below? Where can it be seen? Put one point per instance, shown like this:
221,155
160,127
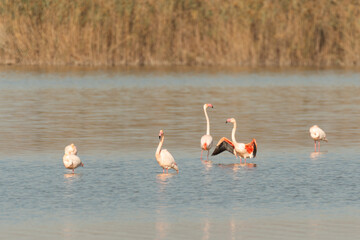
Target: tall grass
180,32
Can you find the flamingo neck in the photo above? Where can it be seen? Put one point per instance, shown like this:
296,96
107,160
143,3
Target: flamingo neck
233,133
158,150
207,122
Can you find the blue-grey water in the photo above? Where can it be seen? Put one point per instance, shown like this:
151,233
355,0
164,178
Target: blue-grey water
114,117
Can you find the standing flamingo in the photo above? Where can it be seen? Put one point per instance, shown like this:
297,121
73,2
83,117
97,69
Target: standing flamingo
70,159
243,150
317,134
206,140
163,157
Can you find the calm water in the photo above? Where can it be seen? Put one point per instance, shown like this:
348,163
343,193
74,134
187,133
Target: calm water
114,118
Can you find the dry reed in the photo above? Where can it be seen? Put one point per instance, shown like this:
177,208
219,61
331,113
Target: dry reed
180,32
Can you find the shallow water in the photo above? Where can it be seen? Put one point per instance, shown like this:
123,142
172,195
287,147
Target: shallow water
114,118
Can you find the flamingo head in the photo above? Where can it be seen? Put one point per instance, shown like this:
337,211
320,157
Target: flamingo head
206,105
74,149
161,133
70,149
176,167
230,120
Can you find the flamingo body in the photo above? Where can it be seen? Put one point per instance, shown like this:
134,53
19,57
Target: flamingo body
206,142
72,161
164,157
166,160
317,133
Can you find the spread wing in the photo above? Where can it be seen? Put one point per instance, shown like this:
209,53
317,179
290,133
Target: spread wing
251,147
223,144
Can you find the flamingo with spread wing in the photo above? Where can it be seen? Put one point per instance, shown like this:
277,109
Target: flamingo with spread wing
243,150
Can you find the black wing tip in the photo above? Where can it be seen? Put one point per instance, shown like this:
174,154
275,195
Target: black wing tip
255,147
222,147
216,151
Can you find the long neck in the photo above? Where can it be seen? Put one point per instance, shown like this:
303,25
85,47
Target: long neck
207,122
160,145
233,133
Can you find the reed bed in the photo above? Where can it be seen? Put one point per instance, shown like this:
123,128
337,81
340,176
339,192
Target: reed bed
180,32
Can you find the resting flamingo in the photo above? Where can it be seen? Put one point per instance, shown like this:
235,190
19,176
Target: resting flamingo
70,159
163,157
206,140
317,134
243,150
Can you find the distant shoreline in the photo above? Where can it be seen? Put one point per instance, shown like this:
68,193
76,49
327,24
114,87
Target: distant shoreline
249,33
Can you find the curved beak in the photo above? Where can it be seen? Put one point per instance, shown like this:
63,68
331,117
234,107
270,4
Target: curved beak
159,137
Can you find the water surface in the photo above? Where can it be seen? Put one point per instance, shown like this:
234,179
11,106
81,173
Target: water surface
114,118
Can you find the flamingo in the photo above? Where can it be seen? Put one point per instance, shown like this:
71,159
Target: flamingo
70,159
206,140
243,150
317,134
164,157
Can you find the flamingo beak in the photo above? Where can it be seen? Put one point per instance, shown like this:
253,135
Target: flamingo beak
159,136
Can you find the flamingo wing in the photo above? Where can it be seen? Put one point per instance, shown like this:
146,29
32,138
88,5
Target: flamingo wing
251,147
223,144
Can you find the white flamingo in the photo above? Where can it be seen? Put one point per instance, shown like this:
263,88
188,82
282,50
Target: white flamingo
317,134
243,150
206,140
70,159
164,157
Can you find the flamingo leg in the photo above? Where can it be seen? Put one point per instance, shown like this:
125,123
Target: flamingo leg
315,145
240,160
201,154
73,171
163,170
245,160
208,156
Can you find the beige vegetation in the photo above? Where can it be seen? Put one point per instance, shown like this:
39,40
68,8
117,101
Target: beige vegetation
180,32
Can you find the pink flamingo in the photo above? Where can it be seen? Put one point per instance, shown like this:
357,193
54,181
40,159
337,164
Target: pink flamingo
243,150
317,134
163,157
206,140
70,159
